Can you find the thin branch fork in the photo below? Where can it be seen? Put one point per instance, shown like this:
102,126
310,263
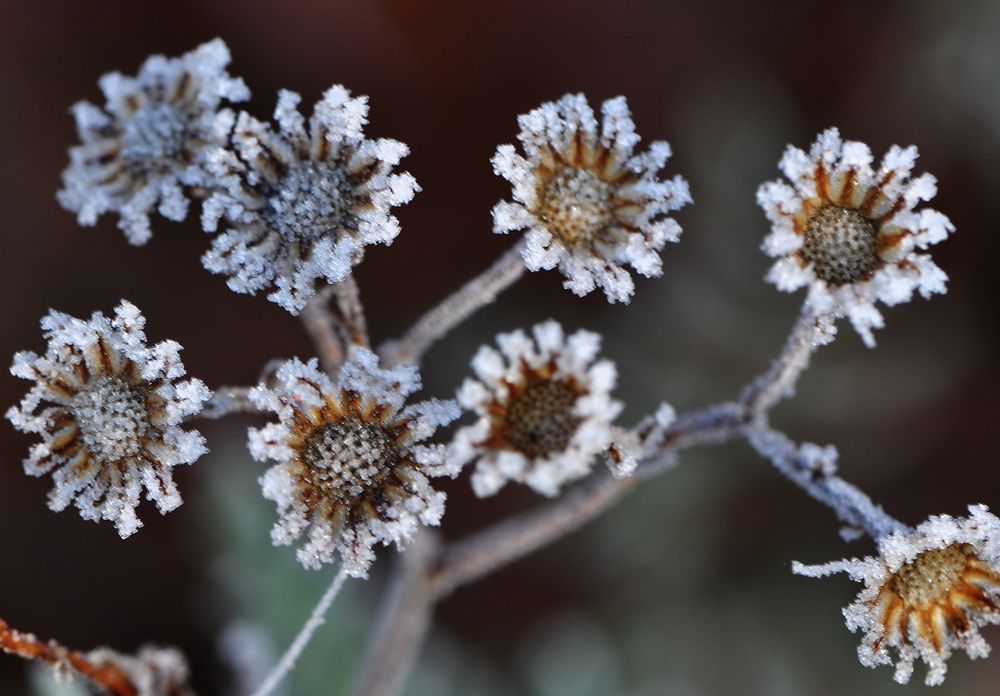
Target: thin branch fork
104,674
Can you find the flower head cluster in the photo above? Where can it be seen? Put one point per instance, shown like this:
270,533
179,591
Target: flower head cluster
302,202
350,469
109,410
927,593
151,138
850,232
544,407
589,204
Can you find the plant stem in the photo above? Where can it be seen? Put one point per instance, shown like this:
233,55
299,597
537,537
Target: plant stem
456,308
321,326
287,662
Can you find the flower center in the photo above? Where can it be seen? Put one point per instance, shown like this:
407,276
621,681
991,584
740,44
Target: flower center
840,245
313,200
575,205
540,419
931,575
349,457
153,135
111,416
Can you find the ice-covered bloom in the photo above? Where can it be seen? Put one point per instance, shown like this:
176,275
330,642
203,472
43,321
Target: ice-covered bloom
850,232
589,203
109,410
350,469
301,203
545,410
927,593
150,140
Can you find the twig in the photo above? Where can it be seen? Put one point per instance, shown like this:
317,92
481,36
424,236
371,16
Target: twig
406,617
103,668
456,308
226,401
809,333
352,312
287,662
818,478
322,329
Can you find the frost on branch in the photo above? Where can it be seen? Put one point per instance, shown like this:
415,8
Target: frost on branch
851,233
350,471
150,139
544,411
301,203
927,593
589,203
109,411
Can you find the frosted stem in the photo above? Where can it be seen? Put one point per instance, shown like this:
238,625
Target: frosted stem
226,401
456,308
809,333
321,326
819,480
406,618
316,619
352,312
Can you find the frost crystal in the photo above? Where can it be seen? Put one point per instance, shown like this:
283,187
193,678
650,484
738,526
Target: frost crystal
301,203
150,139
111,421
927,593
349,467
588,203
543,413
850,232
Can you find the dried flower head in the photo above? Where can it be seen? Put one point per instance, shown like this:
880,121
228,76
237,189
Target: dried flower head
850,232
349,466
588,203
111,421
928,592
543,414
301,203
150,139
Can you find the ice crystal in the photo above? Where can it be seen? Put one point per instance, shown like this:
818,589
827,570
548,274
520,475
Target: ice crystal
544,409
109,410
150,140
350,469
927,593
849,232
588,203
301,203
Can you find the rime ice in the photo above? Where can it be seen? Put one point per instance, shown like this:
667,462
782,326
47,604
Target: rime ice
850,232
590,205
109,411
544,409
150,140
926,594
350,471
300,204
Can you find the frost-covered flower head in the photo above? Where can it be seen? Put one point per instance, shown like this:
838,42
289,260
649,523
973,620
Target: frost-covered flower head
303,202
349,467
850,232
589,204
150,139
927,593
544,406
109,410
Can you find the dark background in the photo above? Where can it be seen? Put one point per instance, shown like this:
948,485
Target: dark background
684,588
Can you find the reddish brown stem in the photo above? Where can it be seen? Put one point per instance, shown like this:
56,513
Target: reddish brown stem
105,674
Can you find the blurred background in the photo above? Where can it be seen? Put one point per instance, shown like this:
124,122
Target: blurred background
685,587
